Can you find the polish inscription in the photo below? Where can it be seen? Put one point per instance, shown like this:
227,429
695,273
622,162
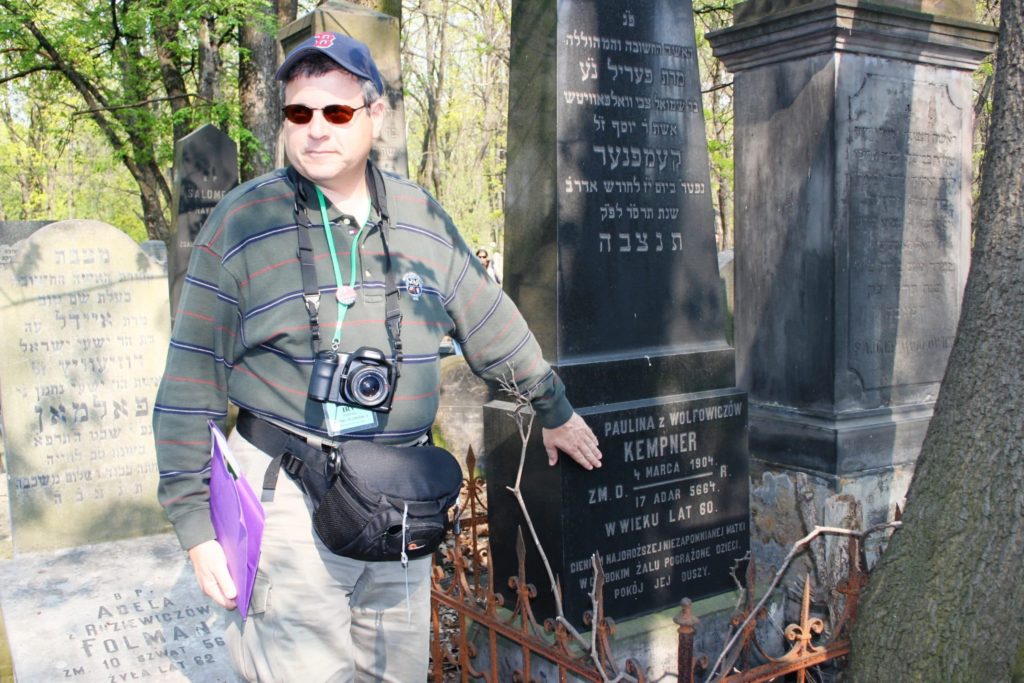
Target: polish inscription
122,611
906,215
86,332
668,511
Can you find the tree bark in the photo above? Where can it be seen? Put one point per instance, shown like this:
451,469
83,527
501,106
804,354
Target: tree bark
945,602
258,91
429,171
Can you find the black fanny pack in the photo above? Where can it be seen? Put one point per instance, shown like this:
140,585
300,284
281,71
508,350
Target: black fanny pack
370,502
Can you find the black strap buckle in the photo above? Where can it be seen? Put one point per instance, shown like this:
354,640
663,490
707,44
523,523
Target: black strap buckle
291,464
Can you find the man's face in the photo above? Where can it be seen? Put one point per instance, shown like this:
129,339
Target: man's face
332,156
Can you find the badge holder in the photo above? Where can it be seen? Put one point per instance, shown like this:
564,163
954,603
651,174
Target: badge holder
344,419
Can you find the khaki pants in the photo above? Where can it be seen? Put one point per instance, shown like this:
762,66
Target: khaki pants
316,616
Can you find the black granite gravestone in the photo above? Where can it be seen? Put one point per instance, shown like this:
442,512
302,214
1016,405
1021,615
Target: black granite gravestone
611,257
205,169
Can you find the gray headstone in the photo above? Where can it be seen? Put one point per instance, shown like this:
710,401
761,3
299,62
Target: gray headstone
119,611
381,33
610,254
205,169
157,251
86,325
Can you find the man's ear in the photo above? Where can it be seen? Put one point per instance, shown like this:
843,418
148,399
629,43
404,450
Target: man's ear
378,111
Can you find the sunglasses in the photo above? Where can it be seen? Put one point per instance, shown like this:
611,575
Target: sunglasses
338,114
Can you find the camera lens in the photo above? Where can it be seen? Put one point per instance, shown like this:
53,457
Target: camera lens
369,386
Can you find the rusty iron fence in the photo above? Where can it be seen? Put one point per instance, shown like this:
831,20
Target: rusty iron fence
467,615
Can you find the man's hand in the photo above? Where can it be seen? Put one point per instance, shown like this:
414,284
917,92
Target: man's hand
211,567
576,440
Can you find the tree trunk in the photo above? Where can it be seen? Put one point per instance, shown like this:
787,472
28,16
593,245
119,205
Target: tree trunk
429,172
945,602
258,91
171,73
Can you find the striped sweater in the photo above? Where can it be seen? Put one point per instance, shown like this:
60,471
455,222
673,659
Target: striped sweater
242,333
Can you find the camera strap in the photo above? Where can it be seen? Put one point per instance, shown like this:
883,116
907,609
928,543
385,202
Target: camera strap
392,313
310,286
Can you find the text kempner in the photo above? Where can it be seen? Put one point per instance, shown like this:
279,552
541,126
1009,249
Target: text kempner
659,446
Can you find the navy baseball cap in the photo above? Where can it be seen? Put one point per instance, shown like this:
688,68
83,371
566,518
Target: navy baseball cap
349,53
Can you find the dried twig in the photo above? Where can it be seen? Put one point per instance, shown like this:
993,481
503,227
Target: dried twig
797,547
523,416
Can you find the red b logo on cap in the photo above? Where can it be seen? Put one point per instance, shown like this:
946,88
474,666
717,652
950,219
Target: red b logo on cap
324,40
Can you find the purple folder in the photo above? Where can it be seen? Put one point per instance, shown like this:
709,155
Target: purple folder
237,517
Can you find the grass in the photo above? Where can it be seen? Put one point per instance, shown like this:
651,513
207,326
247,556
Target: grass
6,665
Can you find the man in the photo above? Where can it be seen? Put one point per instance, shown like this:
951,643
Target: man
245,332
488,264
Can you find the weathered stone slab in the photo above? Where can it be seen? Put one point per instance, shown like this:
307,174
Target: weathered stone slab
612,259
908,197
460,420
853,162
205,169
15,231
610,247
86,330
119,611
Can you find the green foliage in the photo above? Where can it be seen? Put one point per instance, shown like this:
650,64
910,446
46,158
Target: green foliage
124,75
53,169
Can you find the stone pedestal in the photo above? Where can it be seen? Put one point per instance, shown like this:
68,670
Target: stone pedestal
381,33
853,194
610,254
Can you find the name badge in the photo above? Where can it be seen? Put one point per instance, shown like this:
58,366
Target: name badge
341,419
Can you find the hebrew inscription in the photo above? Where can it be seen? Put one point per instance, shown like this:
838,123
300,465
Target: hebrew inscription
635,220
639,102
86,331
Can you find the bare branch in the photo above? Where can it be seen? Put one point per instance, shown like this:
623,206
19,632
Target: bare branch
523,416
26,72
713,88
136,105
797,547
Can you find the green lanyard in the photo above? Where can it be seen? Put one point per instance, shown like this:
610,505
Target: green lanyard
342,305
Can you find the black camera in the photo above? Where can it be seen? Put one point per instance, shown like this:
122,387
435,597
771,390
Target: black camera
364,378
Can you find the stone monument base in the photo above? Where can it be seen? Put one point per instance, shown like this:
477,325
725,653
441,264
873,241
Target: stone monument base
843,445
